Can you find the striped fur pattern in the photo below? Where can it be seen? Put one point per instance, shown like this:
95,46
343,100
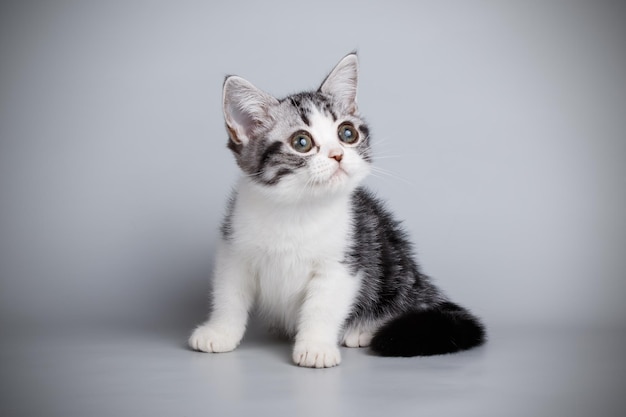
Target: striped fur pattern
320,257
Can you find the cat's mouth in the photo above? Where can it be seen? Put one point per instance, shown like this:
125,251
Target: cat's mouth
338,176
339,173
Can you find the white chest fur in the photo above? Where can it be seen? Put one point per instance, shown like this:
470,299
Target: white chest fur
284,247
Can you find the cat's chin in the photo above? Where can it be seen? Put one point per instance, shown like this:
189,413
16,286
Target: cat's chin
340,182
295,193
339,175
337,179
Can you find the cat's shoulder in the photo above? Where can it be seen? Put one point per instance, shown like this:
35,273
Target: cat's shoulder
370,211
366,201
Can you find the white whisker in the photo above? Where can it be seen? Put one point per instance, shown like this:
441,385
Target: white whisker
376,157
390,174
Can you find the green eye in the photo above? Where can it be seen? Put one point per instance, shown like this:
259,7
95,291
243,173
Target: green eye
347,133
302,142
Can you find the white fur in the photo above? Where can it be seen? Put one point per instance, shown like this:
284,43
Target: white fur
290,260
288,241
360,335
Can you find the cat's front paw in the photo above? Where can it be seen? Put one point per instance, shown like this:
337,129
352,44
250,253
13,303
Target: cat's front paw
208,339
316,355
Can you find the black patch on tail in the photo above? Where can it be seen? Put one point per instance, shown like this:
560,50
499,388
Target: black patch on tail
446,328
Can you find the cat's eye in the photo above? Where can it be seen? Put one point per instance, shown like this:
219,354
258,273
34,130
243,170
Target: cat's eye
347,133
301,141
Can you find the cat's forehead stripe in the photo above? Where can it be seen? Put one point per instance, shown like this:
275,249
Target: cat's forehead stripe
296,102
306,103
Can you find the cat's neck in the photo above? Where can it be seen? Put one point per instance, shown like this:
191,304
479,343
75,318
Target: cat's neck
279,227
262,198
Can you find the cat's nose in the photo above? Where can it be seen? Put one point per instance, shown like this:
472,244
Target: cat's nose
336,154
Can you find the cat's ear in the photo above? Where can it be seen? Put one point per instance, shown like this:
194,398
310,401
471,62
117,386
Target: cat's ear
342,81
246,109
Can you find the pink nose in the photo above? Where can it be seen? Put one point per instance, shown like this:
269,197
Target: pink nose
336,154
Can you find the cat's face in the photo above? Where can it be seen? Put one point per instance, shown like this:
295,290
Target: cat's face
306,145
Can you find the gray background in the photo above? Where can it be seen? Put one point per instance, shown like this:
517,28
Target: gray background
499,130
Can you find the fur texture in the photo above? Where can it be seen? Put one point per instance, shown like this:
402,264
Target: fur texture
321,257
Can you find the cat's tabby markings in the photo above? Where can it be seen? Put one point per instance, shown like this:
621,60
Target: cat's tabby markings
321,257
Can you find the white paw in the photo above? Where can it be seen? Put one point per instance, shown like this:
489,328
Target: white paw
357,338
316,355
207,339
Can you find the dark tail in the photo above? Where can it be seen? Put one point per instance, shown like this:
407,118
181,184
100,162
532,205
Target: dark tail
446,328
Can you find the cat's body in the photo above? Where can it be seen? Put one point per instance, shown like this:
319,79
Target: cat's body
322,259
283,242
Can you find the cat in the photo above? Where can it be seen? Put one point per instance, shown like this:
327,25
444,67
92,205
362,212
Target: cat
320,256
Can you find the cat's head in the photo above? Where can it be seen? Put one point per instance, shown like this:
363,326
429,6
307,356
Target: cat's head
306,145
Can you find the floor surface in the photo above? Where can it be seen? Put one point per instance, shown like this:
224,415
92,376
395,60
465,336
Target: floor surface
520,372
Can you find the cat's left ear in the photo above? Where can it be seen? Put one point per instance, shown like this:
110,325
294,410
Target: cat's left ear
342,82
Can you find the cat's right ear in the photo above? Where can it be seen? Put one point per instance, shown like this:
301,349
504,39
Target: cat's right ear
246,109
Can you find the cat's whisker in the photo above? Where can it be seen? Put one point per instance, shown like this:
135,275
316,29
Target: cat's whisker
393,152
256,174
377,157
381,141
390,174
381,177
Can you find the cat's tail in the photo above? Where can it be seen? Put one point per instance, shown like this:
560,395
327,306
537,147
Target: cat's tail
446,328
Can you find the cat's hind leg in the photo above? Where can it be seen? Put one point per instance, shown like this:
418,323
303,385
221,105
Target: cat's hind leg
359,335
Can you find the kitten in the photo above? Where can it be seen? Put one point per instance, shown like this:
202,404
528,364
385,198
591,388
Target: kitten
320,256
